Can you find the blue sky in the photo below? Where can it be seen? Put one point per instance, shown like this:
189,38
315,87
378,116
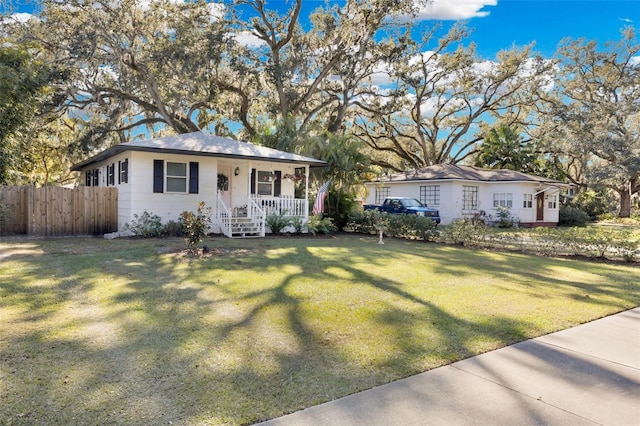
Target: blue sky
548,21
499,24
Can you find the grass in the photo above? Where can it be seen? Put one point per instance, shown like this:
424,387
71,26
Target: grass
131,332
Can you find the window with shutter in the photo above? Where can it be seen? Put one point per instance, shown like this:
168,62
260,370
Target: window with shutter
193,177
158,176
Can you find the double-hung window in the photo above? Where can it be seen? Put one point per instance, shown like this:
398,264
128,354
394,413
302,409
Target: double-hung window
527,202
265,183
503,199
469,197
552,201
176,177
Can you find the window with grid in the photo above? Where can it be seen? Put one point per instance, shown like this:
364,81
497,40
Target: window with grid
469,197
528,201
503,199
552,201
382,193
430,195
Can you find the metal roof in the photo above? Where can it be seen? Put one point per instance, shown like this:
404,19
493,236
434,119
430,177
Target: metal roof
202,144
468,173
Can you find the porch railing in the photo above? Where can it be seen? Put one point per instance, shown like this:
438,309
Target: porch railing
223,216
286,206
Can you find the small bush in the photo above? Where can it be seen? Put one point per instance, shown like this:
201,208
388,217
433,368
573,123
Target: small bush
320,225
465,232
394,225
196,225
173,229
277,222
298,224
146,225
505,220
365,221
572,216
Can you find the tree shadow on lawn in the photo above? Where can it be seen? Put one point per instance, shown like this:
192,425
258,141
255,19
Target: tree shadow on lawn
135,337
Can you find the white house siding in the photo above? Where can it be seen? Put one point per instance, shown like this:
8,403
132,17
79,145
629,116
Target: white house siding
168,205
137,196
451,198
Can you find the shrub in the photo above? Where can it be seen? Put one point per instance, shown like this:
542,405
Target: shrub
173,229
320,225
572,216
340,206
277,222
365,221
146,225
594,203
298,224
465,232
196,225
393,225
505,220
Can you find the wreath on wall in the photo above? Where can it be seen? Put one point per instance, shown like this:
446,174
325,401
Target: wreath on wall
223,182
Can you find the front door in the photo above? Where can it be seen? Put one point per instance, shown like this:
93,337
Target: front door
225,187
540,206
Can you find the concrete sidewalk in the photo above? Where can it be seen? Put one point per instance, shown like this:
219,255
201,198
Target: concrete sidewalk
586,375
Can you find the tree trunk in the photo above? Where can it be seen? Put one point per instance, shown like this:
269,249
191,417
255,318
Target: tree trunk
625,202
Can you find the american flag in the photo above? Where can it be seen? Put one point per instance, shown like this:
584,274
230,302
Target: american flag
318,206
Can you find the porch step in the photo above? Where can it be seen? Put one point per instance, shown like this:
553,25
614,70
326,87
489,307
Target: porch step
244,228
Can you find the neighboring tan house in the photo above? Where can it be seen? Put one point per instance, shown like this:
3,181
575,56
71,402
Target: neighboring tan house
240,181
466,192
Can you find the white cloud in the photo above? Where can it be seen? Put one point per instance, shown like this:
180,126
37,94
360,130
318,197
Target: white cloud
21,17
455,9
248,39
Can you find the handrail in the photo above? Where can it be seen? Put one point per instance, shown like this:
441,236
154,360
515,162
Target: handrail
223,216
257,214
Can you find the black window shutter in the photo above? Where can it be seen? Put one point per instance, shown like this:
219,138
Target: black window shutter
96,177
193,178
88,178
125,168
253,181
112,173
158,176
119,172
277,184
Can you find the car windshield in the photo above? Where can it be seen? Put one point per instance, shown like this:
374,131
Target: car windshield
412,203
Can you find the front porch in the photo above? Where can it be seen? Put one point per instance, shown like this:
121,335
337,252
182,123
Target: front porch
249,220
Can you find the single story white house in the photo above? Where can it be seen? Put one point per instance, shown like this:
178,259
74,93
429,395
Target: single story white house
465,192
240,181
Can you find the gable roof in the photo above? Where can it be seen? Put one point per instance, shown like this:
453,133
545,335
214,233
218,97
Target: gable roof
467,173
202,144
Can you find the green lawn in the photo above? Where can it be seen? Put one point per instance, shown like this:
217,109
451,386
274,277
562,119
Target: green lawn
131,332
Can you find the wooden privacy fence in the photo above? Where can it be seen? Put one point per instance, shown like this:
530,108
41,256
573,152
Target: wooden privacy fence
50,211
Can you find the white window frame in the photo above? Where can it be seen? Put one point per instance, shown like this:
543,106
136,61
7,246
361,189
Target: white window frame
469,197
265,179
552,202
503,199
527,202
175,178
